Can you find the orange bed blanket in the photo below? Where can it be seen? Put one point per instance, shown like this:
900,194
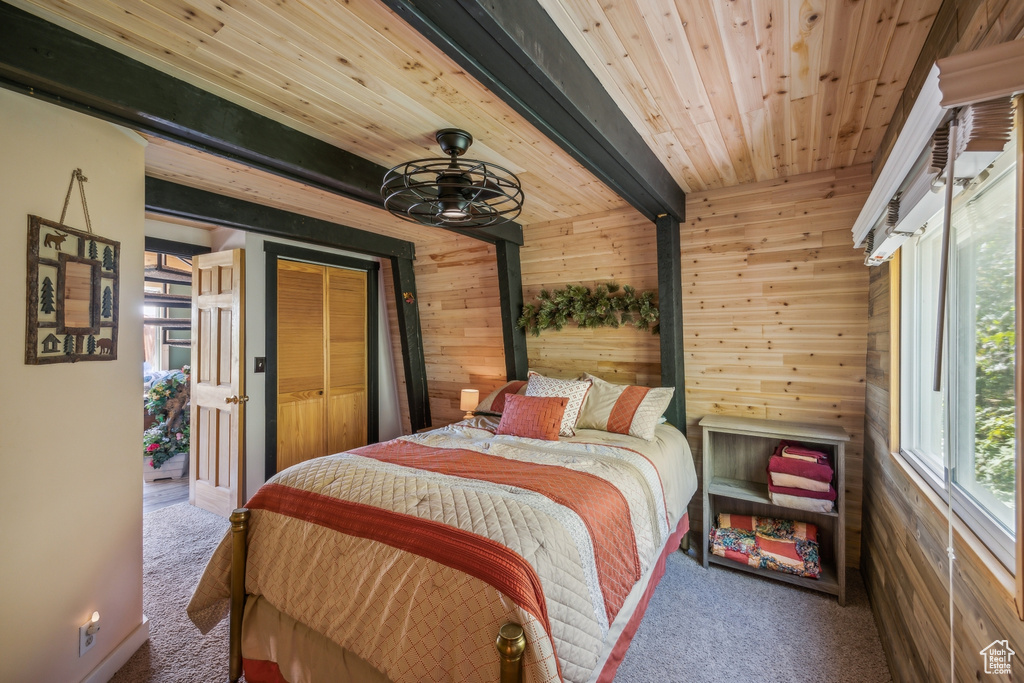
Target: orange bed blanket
412,553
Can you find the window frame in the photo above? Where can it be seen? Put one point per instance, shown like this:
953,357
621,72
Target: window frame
1007,548
1019,497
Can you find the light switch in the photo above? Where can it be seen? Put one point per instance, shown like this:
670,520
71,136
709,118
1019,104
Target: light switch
259,364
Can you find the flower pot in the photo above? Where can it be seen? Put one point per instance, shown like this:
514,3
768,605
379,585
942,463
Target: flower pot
175,468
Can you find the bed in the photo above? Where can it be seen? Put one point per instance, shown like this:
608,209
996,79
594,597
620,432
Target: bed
402,561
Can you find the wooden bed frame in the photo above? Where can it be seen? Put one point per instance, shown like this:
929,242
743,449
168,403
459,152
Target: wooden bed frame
511,641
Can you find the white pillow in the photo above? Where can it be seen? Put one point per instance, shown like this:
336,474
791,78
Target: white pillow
574,390
624,409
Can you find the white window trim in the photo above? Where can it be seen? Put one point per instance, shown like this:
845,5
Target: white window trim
986,529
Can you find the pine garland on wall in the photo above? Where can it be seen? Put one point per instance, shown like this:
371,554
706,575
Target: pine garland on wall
605,306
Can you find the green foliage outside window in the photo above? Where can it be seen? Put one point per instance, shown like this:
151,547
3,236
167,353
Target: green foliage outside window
994,369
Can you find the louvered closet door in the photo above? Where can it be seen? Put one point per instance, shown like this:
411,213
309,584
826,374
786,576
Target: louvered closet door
300,363
321,361
346,407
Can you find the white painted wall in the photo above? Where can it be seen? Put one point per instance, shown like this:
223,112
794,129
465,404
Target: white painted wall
255,345
178,233
70,454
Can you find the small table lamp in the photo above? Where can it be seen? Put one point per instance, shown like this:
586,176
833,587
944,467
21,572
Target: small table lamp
469,400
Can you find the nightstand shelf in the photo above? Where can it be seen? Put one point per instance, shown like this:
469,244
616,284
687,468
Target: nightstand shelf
753,491
735,455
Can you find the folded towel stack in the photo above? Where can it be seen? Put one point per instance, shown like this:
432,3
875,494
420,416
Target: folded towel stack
800,478
778,544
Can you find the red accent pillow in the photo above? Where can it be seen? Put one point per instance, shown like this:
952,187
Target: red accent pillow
532,417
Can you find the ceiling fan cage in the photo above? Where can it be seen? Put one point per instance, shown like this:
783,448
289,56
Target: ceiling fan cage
453,192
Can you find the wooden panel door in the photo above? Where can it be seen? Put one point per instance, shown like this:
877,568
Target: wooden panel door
300,363
218,382
347,359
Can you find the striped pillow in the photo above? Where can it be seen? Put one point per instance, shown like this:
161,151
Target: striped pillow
624,409
495,401
574,390
532,417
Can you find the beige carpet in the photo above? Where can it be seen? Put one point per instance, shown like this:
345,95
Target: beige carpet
702,625
718,624
177,542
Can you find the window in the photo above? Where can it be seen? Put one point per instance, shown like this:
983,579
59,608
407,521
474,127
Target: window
973,415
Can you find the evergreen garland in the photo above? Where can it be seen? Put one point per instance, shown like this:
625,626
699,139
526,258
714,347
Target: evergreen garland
606,306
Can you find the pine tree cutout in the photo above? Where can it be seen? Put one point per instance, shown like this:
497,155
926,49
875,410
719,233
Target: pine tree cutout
90,345
108,258
69,344
46,296
93,251
108,303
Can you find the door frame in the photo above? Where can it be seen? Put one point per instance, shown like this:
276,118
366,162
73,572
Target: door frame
274,252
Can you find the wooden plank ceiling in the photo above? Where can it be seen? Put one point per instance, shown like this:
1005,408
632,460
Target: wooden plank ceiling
747,90
724,92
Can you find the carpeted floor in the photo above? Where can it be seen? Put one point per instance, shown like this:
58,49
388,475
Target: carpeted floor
176,543
702,625
717,624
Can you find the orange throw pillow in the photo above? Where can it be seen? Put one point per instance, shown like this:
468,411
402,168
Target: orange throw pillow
532,417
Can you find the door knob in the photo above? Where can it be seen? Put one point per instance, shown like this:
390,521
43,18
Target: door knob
236,399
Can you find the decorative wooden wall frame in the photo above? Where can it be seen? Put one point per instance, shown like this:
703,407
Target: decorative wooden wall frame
72,297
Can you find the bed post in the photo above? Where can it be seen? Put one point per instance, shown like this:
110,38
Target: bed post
239,537
511,645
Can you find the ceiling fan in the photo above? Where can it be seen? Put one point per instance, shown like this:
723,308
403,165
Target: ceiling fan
453,192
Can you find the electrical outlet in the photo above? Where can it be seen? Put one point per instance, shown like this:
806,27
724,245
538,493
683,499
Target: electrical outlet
87,636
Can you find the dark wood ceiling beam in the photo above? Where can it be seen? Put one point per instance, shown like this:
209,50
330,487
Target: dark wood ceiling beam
171,199
518,52
51,63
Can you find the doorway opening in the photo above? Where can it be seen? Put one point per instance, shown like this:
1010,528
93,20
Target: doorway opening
167,323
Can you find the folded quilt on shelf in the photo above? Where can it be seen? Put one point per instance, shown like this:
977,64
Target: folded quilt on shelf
767,543
801,503
829,494
794,482
800,468
788,449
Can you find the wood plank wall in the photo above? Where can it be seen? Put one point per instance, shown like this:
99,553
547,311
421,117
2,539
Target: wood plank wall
460,317
615,246
904,541
904,549
774,305
775,309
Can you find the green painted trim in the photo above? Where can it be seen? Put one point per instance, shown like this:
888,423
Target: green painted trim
274,253
510,292
172,199
412,343
670,306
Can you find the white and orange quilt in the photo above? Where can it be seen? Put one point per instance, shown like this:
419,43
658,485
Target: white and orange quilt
413,552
